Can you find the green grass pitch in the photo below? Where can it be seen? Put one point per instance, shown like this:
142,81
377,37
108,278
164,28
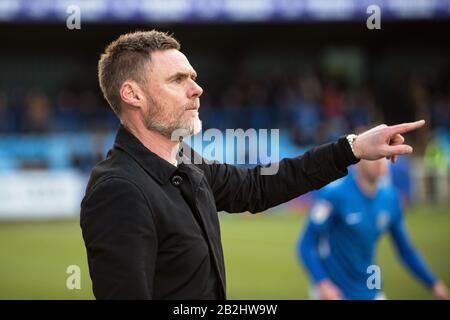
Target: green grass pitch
259,254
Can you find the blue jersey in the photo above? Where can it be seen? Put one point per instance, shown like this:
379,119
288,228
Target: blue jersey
342,232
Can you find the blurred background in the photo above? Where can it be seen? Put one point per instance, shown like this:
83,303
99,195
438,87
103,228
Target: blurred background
309,68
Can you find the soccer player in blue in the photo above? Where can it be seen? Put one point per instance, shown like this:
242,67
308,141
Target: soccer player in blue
344,225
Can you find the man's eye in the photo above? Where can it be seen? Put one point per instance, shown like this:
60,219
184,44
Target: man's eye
178,80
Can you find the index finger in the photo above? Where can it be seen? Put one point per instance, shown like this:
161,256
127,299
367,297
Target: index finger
406,127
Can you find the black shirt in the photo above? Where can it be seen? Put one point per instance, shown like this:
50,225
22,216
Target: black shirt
152,231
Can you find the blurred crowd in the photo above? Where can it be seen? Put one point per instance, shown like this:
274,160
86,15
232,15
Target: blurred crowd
313,108
34,111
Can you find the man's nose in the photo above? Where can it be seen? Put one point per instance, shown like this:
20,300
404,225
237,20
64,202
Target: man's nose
195,90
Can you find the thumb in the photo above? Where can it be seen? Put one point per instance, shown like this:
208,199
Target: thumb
399,149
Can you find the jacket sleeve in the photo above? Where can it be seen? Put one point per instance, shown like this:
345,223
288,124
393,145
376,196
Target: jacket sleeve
241,189
120,238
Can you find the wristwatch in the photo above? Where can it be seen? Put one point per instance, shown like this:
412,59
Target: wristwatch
350,139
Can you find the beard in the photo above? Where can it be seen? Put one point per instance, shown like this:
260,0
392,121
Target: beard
175,125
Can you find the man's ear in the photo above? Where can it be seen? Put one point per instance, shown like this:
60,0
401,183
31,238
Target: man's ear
131,94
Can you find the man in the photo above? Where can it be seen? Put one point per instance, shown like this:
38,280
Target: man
149,223
338,245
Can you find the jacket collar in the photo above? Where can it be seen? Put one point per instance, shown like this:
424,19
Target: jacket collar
158,168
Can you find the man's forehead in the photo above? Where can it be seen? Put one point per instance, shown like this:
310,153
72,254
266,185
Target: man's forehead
170,61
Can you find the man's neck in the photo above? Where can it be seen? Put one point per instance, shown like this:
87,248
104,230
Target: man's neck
156,143
367,186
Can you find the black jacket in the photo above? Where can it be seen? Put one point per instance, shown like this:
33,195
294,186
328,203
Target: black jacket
152,231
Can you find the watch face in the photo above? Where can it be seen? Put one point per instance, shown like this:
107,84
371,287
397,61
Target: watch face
350,139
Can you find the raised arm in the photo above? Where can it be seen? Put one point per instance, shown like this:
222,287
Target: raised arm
241,189
238,189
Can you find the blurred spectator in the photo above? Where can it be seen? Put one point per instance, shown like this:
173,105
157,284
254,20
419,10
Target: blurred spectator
333,99
37,118
67,117
306,110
